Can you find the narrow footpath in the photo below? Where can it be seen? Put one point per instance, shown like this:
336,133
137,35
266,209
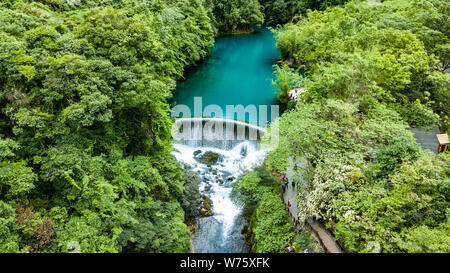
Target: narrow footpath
324,237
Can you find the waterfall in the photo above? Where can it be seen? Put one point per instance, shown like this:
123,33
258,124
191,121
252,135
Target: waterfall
215,132
235,146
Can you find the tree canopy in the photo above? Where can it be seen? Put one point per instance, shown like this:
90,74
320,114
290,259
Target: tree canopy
85,131
375,51
372,71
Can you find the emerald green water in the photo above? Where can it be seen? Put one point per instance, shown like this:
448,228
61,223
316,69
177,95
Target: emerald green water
237,72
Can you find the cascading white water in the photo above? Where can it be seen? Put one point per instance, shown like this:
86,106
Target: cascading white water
220,232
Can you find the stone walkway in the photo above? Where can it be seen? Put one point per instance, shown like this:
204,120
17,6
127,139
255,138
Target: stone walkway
323,236
427,138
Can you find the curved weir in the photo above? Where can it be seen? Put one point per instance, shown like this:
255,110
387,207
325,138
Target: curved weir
215,132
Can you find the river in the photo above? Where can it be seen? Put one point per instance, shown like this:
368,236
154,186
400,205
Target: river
237,72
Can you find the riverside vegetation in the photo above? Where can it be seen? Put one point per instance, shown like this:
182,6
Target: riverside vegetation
372,71
85,128
84,121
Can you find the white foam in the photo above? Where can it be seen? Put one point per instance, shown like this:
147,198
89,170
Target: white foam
234,162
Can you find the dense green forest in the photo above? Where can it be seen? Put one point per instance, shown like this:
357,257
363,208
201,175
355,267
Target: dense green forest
270,225
85,128
85,132
369,71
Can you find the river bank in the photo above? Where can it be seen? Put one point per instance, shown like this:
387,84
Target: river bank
271,229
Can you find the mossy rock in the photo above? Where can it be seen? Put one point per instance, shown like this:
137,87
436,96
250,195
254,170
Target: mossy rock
230,178
205,210
220,181
207,187
209,158
196,153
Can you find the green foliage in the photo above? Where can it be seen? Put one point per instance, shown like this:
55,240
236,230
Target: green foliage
191,194
235,15
286,80
361,177
8,237
409,216
302,240
278,11
417,114
385,52
371,67
153,233
305,5
85,133
270,225
365,172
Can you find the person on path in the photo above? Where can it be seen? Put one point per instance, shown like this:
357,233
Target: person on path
283,187
289,203
285,181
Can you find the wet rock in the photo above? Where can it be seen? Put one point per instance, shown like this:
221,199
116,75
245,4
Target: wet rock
214,172
230,178
209,158
196,153
205,210
245,230
207,187
220,181
244,151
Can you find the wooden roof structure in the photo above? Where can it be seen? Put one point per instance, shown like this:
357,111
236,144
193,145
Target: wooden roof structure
443,143
294,94
443,139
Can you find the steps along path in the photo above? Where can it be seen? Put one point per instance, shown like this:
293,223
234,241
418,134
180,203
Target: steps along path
324,236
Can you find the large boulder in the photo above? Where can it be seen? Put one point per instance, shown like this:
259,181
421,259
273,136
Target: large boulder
209,158
205,209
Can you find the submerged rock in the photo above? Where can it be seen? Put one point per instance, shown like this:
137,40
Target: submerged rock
244,151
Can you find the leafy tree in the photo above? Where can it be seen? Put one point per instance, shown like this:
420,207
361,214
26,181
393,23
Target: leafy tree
235,15
286,80
85,132
270,226
362,52
410,216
